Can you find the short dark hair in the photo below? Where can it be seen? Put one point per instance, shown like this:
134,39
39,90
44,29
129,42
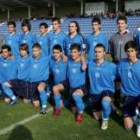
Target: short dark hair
26,22
122,17
76,46
99,45
57,47
24,46
11,23
36,45
43,24
131,44
96,19
56,19
7,47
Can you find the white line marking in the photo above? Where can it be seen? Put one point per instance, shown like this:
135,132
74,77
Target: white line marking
11,127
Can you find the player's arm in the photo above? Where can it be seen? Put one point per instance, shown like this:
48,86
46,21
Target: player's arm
83,61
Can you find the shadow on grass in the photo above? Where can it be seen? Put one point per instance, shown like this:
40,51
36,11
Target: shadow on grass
20,133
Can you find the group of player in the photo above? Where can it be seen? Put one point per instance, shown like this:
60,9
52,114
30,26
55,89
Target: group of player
29,63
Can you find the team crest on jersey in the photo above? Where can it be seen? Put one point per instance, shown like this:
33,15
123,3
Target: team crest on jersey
24,41
9,41
5,64
73,70
55,41
21,65
40,42
97,74
94,43
35,66
129,74
57,71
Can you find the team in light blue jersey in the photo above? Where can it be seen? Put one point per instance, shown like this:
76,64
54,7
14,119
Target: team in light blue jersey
74,36
128,72
27,36
13,39
58,68
56,36
77,81
102,74
96,37
42,38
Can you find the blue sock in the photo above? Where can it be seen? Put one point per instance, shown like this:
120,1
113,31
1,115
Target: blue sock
9,92
79,102
57,99
106,105
43,98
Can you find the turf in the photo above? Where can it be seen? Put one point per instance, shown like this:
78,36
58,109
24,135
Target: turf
59,128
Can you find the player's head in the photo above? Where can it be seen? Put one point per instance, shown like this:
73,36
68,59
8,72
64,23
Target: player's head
57,52
122,23
43,27
96,24
11,26
75,51
26,26
131,50
56,24
23,49
74,27
36,49
6,51
99,51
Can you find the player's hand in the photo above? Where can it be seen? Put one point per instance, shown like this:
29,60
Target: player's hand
84,66
64,58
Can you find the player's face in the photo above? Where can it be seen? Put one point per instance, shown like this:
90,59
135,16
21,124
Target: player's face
43,30
11,28
75,54
36,52
131,53
96,26
57,54
23,53
56,26
72,28
121,25
5,53
25,29
99,53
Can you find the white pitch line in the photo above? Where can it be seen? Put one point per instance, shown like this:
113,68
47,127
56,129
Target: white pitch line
11,127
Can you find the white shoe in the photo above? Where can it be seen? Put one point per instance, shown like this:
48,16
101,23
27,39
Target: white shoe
104,125
138,131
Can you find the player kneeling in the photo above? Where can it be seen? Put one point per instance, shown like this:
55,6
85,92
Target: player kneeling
128,71
58,69
76,77
102,74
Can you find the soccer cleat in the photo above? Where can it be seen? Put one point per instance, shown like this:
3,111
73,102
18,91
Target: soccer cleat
43,111
79,118
138,131
13,102
56,111
104,125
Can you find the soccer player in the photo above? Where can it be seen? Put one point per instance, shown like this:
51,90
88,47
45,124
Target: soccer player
39,73
58,69
24,62
102,74
57,36
128,72
42,39
117,43
74,36
96,37
76,78
8,70
13,39
27,37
